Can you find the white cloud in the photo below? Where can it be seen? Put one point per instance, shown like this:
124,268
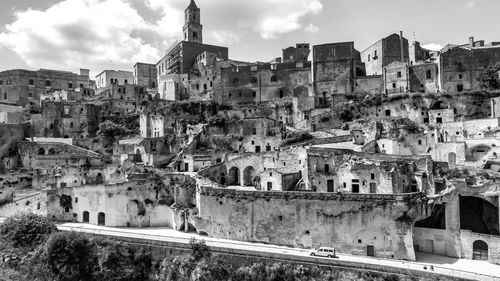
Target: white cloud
311,28
225,37
114,34
267,18
469,5
283,16
81,33
433,46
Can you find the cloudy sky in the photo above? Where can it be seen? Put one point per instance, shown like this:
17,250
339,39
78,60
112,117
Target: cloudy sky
114,34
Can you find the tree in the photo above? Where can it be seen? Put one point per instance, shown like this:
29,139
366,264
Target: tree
111,131
489,78
27,229
72,256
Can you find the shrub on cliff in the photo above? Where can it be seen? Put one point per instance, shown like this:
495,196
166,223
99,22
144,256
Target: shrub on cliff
27,229
489,78
72,256
120,261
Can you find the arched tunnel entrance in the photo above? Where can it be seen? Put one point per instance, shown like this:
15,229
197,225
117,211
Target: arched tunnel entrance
478,215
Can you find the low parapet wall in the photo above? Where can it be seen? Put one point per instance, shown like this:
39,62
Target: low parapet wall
371,197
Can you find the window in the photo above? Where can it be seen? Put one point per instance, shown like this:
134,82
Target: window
9,81
428,74
71,125
460,88
399,74
81,85
197,86
30,95
204,86
460,76
236,82
4,96
372,176
269,186
369,57
195,35
281,93
254,94
419,142
126,81
254,131
274,78
70,85
327,168
394,85
47,83
1,82
280,218
253,80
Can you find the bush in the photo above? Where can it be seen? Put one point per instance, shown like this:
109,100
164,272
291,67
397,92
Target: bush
72,256
296,138
27,229
120,261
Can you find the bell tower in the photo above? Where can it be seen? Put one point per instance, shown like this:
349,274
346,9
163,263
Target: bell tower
193,30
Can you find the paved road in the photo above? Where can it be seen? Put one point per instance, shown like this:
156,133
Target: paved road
469,269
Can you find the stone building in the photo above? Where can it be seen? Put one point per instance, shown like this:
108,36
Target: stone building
24,86
113,77
385,51
263,82
181,56
461,66
341,170
299,53
145,75
335,67
419,54
68,119
174,70
396,77
152,126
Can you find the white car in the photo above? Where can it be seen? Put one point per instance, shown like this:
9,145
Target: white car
323,252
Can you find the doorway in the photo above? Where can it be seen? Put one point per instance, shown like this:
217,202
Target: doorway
86,217
479,250
101,219
429,246
370,250
329,186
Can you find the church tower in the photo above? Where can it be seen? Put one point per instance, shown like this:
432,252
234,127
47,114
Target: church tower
192,27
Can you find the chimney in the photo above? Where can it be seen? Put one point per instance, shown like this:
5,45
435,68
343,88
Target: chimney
402,46
471,41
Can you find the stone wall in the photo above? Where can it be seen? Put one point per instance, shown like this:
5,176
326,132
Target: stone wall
349,223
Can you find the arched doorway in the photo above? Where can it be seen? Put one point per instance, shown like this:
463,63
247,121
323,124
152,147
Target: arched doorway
452,159
479,250
41,151
86,217
137,156
248,176
101,219
478,152
234,176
